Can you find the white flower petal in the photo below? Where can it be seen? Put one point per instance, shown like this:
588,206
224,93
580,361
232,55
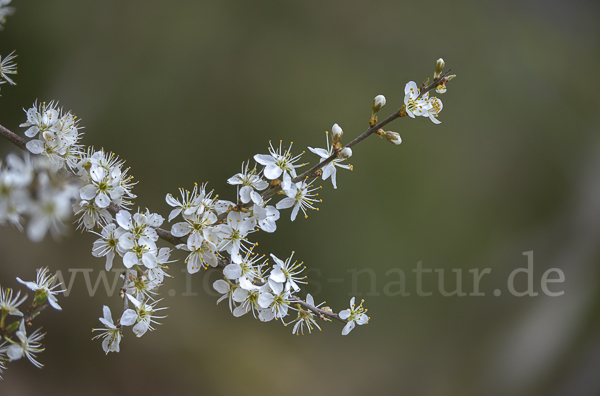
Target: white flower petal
180,229
285,203
348,328
88,192
140,328
241,310
272,171
295,212
320,152
35,146
14,352
264,159
128,318
345,314
232,271
221,286
130,259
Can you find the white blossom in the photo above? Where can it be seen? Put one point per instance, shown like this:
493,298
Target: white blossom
233,233
140,224
105,179
248,300
158,273
329,169
250,183
267,218
245,270
9,304
305,317
299,195
287,272
353,316
108,244
194,203
138,242
142,287
275,299
227,290
415,106
138,251
6,67
50,209
278,162
26,346
105,186
189,204
194,223
58,134
90,215
143,316
43,286
202,253
111,334
436,107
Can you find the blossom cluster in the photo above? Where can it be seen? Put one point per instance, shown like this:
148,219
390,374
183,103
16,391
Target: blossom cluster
104,183
20,344
32,187
133,238
54,134
66,177
215,233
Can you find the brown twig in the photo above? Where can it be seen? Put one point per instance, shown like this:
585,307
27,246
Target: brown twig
13,137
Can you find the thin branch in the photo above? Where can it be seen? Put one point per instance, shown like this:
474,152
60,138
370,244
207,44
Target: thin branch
318,311
13,137
27,317
32,313
371,130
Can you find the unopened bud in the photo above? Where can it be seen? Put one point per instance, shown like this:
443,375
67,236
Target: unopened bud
378,103
345,153
337,133
439,66
393,137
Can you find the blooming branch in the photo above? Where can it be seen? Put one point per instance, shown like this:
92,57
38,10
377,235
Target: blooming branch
64,177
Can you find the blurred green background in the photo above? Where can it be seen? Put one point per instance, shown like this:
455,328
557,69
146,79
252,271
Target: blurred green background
186,90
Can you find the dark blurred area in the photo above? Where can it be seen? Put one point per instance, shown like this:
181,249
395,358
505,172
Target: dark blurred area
187,90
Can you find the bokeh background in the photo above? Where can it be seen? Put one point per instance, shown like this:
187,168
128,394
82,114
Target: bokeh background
186,90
